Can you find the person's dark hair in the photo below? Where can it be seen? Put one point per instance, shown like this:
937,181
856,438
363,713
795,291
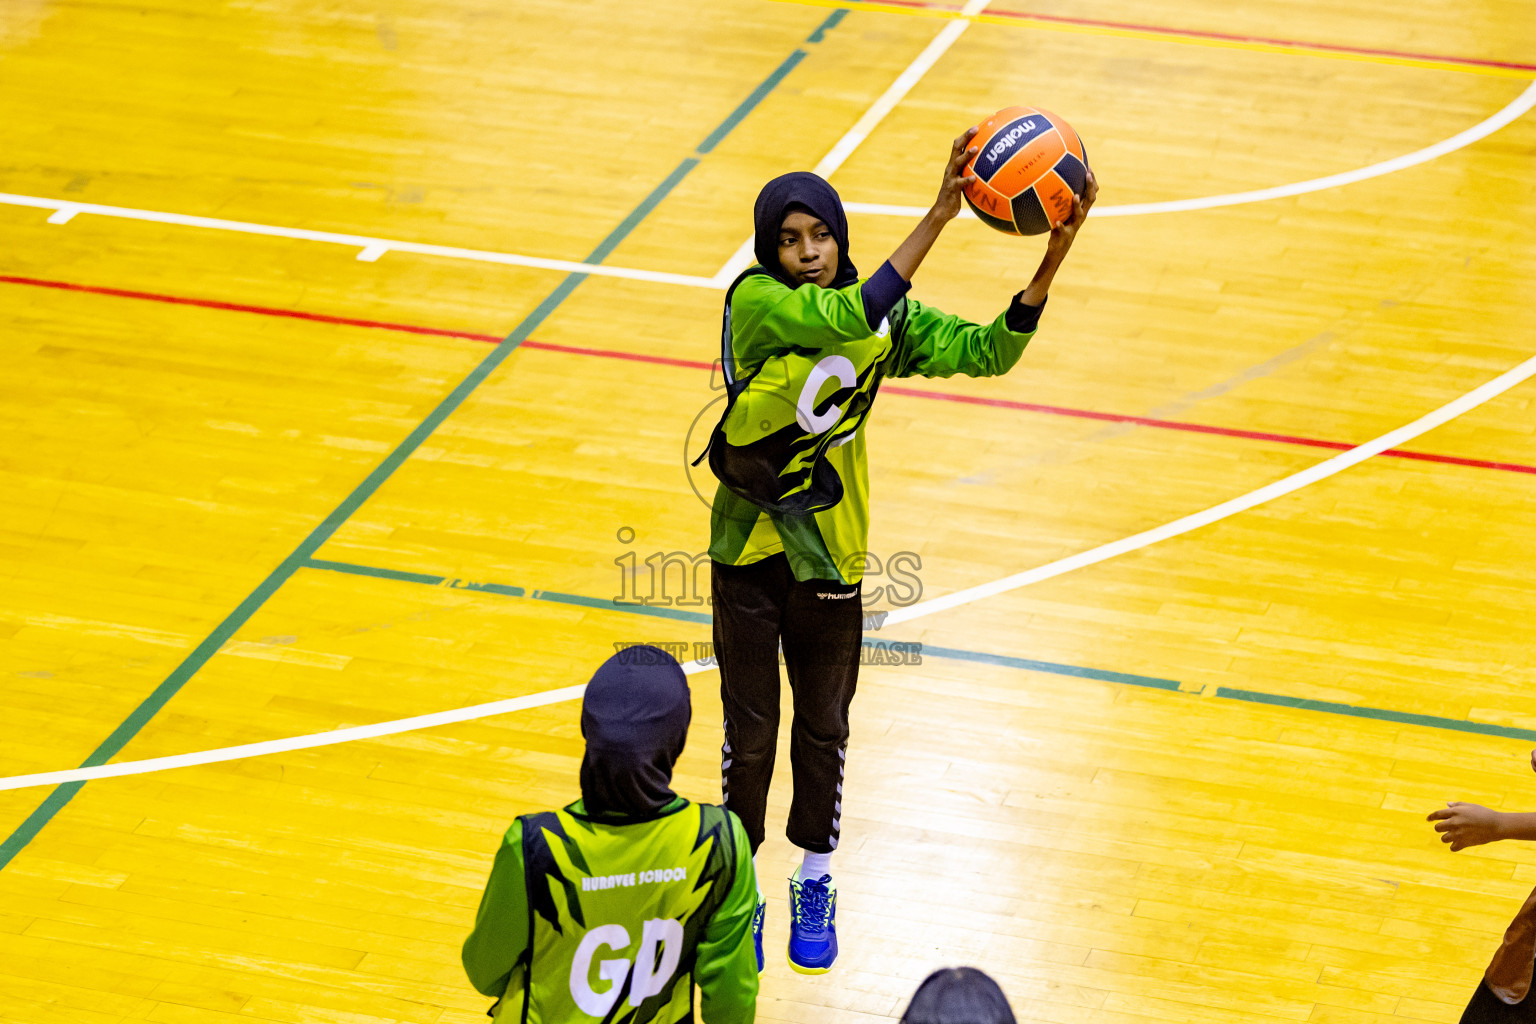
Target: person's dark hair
958,995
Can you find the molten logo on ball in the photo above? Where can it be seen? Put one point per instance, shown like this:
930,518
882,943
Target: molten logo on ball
1015,133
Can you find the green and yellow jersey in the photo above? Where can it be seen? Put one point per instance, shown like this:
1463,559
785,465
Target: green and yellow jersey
803,367
589,920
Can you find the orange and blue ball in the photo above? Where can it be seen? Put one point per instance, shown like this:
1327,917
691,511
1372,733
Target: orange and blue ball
1029,166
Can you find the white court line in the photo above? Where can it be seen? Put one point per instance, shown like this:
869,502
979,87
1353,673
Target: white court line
1295,482
373,247
370,249
318,739
743,257
1518,106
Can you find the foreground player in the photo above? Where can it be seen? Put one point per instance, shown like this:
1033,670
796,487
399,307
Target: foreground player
615,907
790,522
1504,995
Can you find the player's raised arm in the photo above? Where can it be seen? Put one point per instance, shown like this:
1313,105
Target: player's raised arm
1059,242
909,254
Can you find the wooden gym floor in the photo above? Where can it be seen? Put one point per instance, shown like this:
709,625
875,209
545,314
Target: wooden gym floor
269,470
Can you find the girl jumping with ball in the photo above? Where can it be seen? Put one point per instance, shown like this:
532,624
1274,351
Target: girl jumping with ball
805,344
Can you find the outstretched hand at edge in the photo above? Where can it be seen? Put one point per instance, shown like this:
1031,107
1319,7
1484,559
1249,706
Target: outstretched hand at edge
1462,825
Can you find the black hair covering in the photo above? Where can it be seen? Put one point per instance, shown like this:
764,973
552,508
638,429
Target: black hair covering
958,995
634,717
814,193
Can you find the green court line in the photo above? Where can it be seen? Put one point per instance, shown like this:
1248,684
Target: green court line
608,604
736,116
383,574
1030,665
981,657
769,83
1380,714
830,23
507,590
683,615
140,716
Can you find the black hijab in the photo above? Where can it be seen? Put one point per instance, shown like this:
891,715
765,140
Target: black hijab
958,995
634,717
812,192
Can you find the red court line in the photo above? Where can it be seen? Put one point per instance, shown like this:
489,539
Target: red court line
1202,428
604,353
235,307
1225,37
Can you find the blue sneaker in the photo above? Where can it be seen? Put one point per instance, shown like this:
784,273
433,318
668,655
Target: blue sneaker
758,917
812,925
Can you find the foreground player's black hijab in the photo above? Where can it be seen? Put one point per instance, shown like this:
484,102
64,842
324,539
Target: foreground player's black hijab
635,718
800,188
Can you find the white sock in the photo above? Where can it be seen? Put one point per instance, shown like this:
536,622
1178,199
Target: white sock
815,865
757,876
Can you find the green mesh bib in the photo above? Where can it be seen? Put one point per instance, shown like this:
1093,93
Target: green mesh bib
616,913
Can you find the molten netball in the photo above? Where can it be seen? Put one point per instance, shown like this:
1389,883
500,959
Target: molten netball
1029,166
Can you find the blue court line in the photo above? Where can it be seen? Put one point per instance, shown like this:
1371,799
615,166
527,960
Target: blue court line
981,657
151,705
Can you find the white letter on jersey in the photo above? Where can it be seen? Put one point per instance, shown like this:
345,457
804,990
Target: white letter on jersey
597,1004
805,409
650,977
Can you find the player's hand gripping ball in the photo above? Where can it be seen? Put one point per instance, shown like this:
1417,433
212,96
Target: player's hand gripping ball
1029,165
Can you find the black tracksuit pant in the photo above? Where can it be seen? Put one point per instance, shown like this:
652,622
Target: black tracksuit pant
1487,1008
821,626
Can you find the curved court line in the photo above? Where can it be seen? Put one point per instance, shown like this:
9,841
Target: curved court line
371,248
318,739
1516,107
1295,482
